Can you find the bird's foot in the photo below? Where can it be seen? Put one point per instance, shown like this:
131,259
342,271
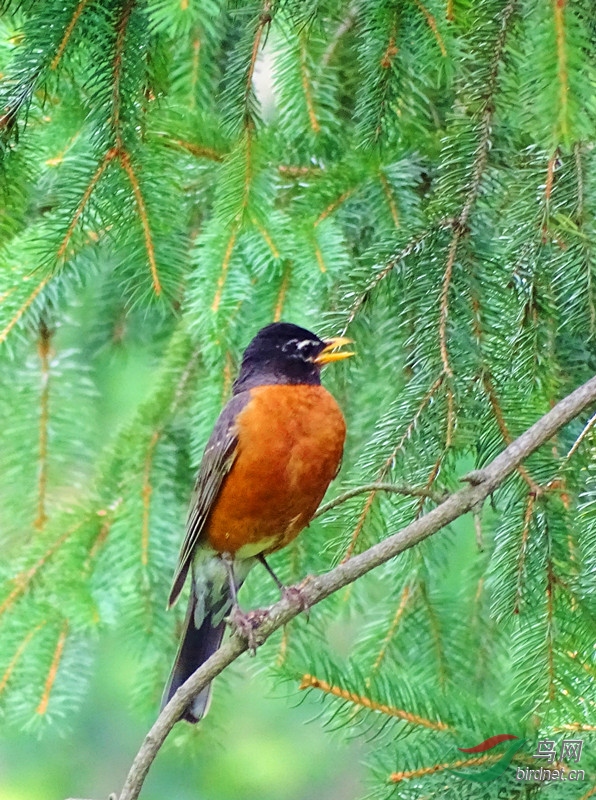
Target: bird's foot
293,594
296,596
246,625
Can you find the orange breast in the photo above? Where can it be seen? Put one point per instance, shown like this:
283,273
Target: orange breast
290,444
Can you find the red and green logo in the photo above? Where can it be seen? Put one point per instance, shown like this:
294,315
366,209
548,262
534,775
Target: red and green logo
498,767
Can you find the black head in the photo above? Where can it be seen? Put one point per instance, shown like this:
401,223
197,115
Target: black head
285,353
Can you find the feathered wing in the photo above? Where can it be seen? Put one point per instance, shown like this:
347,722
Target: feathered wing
218,458
209,599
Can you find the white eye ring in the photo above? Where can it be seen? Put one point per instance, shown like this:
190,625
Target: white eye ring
288,345
305,343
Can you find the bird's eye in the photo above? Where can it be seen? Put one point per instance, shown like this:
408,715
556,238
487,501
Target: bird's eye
305,346
308,349
305,349
290,346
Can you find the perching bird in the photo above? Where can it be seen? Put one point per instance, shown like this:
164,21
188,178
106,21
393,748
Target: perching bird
275,448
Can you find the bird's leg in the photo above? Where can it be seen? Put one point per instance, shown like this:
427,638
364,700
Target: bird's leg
291,593
279,584
229,565
243,623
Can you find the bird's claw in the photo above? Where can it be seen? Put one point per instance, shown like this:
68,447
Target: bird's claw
246,625
295,596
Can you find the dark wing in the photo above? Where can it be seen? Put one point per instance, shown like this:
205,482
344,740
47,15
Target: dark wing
218,459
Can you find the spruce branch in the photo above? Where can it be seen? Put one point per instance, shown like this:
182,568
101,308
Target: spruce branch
406,597
489,758
386,466
121,29
23,580
435,632
266,236
523,550
312,682
562,67
225,264
180,391
42,707
299,173
387,60
448,441
22,308
265,18
196,150
500,418
68,33
460,227
142,209
281,295
23,644
307,87
389,194
551,580
432,24
91,186
345,25
314,589
238,219
411,247
577,444
335,204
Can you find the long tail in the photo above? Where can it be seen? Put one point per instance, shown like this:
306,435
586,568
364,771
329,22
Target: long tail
195,648
209,604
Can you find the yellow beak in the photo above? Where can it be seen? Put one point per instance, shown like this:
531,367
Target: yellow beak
326,356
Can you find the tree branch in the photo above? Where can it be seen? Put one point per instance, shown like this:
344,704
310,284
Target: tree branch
482,483
391,488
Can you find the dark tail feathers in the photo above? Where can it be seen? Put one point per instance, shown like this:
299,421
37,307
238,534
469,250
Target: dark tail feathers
195,648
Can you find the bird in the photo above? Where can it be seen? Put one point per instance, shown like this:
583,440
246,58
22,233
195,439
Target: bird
274,450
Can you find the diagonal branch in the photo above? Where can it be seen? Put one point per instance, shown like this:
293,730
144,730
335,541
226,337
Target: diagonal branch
414,245
68,33
391,488
361,701
482,483
142,209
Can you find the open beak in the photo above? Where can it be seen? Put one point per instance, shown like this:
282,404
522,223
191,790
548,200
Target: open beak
326,356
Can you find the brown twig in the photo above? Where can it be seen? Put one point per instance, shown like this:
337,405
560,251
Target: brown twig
68,33
580,438
482,484
264,20
340,31
312,682
307,87
142,209
391,488
117,69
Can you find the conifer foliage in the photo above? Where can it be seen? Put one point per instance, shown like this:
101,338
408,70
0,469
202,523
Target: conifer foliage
419,174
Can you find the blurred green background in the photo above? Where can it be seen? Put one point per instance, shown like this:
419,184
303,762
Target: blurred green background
253,745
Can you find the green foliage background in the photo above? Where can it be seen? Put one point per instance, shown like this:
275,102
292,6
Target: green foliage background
420,175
